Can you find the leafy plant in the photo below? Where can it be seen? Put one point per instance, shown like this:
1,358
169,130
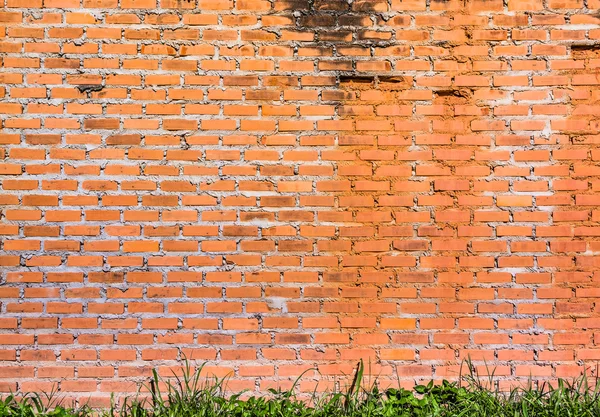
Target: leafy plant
192,395
39,405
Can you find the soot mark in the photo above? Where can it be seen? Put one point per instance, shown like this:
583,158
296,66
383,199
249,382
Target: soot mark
453,93
398,79
370,6
585,50
88,88
585,47
356,79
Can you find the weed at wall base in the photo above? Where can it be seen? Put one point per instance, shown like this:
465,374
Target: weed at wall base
191,395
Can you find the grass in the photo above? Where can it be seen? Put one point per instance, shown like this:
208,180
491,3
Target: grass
190,395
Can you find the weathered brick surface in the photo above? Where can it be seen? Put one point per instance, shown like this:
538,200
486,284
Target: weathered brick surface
275,185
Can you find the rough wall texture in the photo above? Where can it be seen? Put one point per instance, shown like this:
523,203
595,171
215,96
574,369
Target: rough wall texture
277,185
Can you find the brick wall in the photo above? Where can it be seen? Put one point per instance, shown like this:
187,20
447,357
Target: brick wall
277,185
